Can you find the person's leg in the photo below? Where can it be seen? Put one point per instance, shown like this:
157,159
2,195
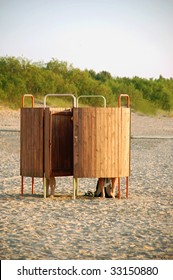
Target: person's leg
52,185
114,182
47,186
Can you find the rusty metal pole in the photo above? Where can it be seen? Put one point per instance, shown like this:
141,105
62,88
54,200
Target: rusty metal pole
27,95
32,185
127,98
127,178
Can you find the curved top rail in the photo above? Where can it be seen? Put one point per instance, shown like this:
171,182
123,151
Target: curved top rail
60,95
27,95
88,96
127,99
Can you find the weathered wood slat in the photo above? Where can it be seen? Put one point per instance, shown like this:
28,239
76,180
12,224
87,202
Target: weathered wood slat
47,142
103,145
75,140
95,144
31,153
58,142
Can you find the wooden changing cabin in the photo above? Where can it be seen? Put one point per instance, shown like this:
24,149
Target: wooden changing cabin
79,142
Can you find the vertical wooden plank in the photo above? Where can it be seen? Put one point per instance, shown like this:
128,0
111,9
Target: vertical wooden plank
80,166
108,144
89,137
128,140
119,142
86,150
54,138
125,141
101,142
76,140
93,142
22,156
116,141
22,120
31,142
80,142
98,143
47,142
38,141
35,140
26,144
105,143
112,142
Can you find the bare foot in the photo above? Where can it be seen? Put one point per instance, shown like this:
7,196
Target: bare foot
112,195
103,194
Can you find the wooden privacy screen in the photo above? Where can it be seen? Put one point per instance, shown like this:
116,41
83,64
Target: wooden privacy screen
58,148
31,142
83,142
101,142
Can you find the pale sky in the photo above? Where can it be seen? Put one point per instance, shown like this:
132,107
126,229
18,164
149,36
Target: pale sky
124,37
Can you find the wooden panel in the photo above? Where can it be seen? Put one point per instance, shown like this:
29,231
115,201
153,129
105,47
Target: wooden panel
101,142
76,143
47,129
58,142
31,139
125,142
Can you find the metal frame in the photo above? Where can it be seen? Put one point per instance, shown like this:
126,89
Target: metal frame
127,178
88,96
60,95
27,95
75,104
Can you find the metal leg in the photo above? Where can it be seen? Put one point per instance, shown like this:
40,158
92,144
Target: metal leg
127,187
32,185
22,185
44,186
74,187
77,186
119,188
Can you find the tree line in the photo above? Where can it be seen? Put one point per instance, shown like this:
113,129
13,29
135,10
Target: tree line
20,76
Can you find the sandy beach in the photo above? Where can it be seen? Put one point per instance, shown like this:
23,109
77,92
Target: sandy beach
140,227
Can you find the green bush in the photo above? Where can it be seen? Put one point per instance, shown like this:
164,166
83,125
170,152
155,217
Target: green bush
19,76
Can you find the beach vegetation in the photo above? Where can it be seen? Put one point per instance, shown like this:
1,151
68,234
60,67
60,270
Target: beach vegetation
19,76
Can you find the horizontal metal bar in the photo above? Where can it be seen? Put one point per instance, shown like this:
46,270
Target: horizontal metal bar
95,96
132,137
60,95
151,137
9,130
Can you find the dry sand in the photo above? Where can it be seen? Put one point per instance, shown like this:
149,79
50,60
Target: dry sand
90,228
